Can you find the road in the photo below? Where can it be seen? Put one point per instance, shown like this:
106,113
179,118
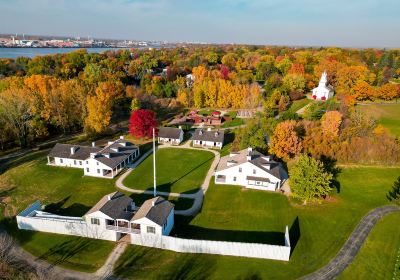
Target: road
352,245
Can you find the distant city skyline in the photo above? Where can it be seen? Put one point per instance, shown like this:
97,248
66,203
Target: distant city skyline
343,23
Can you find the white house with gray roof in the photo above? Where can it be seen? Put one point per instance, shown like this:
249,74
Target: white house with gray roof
106,162
250,169
170,135
115,217
208,138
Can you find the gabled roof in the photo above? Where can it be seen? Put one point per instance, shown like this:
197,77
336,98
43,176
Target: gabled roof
114,205
211,136
64,151
156,210
256,158
169,132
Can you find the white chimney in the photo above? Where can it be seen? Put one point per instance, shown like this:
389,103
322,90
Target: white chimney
73,149
249,149
216,134
153,202
180,127
107,155
93,155
108,197
209,129
201,132
122,137
93,144
248,157
267,166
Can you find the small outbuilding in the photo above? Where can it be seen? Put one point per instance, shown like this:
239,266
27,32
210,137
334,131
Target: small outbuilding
170,135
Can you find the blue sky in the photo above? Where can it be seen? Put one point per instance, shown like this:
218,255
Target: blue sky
352,23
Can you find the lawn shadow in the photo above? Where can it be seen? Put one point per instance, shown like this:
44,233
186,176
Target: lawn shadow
14,161
75,209
64,251
185,230
294,234
330,166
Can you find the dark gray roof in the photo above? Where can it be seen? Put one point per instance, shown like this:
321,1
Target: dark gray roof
114,205
64,151
211,136
169,132
158,213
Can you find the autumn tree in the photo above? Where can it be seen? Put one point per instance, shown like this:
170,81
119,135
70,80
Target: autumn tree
363,91
142,122
387,92
330,123
309,181
285,142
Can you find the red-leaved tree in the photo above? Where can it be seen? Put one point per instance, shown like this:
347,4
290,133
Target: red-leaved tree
142,122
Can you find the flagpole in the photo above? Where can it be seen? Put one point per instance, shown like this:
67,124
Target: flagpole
154,163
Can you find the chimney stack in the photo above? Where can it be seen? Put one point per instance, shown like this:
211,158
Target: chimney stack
94,144
72,150
209,129
122,137
108,197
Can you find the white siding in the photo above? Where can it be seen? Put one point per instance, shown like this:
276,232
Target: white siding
68,162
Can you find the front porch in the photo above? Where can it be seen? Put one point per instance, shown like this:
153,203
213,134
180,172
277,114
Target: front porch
122,226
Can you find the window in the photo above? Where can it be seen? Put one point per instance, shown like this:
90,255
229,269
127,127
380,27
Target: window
61,160
240,169
258,183
254,171
95,221
74,162
80,162
151,230
98,171
87,162
234,179
87,169
97,163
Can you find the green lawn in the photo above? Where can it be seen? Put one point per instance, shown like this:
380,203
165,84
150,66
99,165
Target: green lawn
233,213
298,104
234,122
387,114
377,257
178,170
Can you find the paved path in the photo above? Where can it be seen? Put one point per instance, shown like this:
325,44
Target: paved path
352,245
197,197
105,272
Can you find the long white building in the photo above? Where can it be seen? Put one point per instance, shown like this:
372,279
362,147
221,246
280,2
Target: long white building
104,162
250,169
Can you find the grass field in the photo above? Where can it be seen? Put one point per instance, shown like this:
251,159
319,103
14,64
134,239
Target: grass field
232,213
178,170
233,123
387,114
377,257
298,104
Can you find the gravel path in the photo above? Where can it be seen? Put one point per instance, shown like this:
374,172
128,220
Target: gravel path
197,197
352,245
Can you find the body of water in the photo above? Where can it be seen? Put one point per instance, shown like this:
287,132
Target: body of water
32,52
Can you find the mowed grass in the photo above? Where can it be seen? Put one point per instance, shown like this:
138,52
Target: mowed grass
236,214
387,115
178,170
377,257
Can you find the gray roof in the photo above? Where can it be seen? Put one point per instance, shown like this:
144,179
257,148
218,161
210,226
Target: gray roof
169,132
64,151
257,158
115,205
116,152
211,136
158,213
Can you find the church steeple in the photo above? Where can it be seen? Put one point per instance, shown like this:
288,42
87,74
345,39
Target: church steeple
324,79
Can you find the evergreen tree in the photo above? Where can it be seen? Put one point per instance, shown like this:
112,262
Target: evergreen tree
394,193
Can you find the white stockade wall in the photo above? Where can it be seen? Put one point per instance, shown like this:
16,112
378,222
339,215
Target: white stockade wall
31,219
240,249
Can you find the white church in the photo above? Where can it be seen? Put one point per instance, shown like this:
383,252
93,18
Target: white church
323,91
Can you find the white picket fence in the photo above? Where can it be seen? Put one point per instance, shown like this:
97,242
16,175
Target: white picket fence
240,249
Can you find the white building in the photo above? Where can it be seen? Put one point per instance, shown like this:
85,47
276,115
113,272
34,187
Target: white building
208,138
323,91
115,217
170,135
250,169
104,162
